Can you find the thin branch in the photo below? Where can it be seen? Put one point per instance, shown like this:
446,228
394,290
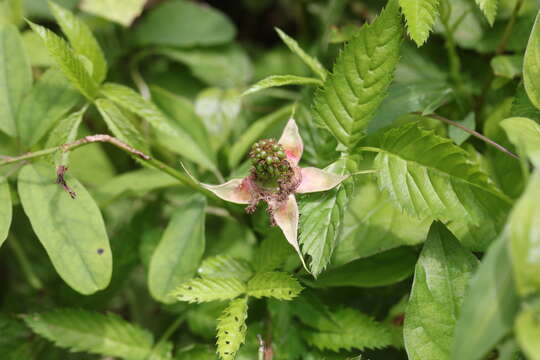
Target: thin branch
472,132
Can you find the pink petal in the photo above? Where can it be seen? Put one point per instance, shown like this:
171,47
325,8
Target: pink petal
286,217
314,180
235,190
292,142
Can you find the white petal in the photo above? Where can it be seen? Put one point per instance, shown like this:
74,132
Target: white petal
314,180
286,217
235,190
292,142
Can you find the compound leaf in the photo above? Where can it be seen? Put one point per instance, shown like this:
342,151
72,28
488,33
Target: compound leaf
274,284
206,289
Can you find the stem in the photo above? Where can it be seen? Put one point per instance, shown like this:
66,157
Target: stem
171,329
509,27
473,133
25,264
136,76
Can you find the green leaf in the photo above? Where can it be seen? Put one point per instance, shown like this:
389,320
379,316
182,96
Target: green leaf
15,77
420,16
72,231
224,267
5,209
525,134
218,110
92,332
489,307
347,329
508,66
528,331
272,253
522,106
459,136
82,40
531,64
122,12
428,176
311,62
71,65
51,98
254,132
362,74
441,278
274,284
231,329
168,133
179,252
184,24
207,289
65,132
379,270
120,122
524,236
489,8
281,80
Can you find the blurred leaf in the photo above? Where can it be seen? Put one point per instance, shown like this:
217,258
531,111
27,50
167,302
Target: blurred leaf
382,269
225,266
420,16
169,133
15,77
508,66
441,278
14,343
37,52
202,318
232,329
120,123
525,134
122,12
71,65
489,8
255,132
272,253
311,62
531,64
522,106
489,306
65,132
51,98
82,40
208,289
5,209
279,285
281,80
218,110
82,330
179,252
196,352
286,347
528,331
40,8
459,136
524,237
469,22
225,66
184,23
72,231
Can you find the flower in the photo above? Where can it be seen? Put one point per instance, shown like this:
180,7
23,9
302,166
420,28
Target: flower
275,178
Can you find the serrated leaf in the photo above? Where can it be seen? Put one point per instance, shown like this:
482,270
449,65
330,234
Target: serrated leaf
120,122
65,132
5,209
441,278
180,250
281,80
524,237
525,134
274,284
71,65
311,62
428,176
81,39
225,266
489,307
72,231
362,73
92,332
206,289
168,133
231,329
420,16
15,77
348,329
489,8
271,253
51,98
122,12
528,331
531,64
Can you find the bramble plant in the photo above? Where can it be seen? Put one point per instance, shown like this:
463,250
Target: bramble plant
178,185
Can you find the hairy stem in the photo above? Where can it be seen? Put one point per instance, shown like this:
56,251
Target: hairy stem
26,265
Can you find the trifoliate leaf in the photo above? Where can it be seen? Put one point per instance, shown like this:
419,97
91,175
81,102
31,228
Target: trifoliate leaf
205,289
275,284
231,329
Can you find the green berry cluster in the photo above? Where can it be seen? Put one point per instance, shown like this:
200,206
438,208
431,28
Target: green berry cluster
270,166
